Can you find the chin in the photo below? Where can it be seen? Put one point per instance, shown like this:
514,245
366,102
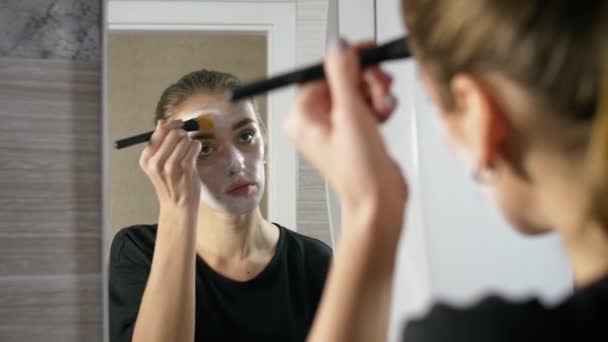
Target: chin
521,210
240,211
239,206
528,227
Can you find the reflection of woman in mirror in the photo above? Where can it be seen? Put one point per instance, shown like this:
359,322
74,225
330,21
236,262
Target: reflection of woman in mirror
522,91
212,269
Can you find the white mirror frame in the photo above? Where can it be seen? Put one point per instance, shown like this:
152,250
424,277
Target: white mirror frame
277,21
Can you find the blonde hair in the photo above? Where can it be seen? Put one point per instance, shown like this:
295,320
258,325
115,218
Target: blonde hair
545,46
550,48
200,80
598,148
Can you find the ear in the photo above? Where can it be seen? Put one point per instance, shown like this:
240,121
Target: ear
482,122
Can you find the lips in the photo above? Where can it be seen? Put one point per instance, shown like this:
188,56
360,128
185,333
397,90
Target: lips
240,187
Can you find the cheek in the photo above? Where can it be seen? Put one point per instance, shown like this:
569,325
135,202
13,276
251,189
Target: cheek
254,155
517,202
209,176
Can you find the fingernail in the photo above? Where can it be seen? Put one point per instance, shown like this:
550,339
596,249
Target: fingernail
338,45
390,101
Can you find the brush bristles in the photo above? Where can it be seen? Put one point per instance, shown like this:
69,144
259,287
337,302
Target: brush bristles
205,121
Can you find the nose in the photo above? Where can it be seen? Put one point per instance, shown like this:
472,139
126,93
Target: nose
236,161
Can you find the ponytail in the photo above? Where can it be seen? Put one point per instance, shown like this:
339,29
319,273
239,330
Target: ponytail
598,149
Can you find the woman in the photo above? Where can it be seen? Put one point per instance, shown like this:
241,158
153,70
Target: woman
212,269
517,84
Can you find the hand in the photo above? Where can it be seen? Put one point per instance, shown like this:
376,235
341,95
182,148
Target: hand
334,124
169,161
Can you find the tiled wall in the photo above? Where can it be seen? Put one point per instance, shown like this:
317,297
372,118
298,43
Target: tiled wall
50,283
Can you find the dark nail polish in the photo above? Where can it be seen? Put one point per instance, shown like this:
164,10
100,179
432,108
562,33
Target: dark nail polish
339,44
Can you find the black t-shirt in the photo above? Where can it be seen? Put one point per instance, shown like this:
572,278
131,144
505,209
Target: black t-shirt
279,304
583,316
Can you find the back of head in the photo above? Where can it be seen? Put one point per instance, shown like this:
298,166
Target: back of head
549,48
201,80
207,81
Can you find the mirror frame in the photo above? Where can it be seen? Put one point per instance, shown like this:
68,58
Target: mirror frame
275,20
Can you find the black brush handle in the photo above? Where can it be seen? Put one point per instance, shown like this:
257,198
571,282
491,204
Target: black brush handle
395,49
130,141
190,125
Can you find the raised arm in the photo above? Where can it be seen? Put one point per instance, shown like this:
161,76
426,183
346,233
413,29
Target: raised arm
167,308
335,125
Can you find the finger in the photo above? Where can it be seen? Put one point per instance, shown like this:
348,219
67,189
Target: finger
313,100
144,157
174,160
309,114
191,155
342,68
163,127
364,44
157,136
380,75
378,86
168,145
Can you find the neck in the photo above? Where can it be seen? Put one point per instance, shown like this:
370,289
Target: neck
567,205
587,249
232,236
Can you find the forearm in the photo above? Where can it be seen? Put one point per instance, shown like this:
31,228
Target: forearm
356,299
167,309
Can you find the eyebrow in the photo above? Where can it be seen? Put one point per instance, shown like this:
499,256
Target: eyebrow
235,126
203,136
242,123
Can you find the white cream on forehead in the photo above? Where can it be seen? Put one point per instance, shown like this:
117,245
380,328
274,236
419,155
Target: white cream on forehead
216,108
221,117
200,111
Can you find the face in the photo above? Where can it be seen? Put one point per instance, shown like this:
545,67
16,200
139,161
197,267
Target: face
478,131
231,161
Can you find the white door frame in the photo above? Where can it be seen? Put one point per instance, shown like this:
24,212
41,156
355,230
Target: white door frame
277,20
357,19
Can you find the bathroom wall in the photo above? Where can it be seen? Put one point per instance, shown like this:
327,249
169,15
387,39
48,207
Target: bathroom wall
50,283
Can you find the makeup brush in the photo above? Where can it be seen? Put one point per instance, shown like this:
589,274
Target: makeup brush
204,121
395,49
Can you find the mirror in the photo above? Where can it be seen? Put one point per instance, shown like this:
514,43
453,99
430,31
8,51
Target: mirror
150,45
141,65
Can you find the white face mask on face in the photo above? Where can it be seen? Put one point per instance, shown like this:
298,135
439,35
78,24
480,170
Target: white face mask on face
231,164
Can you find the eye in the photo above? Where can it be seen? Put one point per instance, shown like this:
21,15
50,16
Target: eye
206,150
246,137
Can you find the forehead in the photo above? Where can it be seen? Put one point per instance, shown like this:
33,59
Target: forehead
222,111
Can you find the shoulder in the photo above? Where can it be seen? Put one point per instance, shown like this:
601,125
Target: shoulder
579,317
308,254
133,244
309,246
314,253
491,319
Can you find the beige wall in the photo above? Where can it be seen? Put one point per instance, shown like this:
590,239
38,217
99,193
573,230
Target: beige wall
140,66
